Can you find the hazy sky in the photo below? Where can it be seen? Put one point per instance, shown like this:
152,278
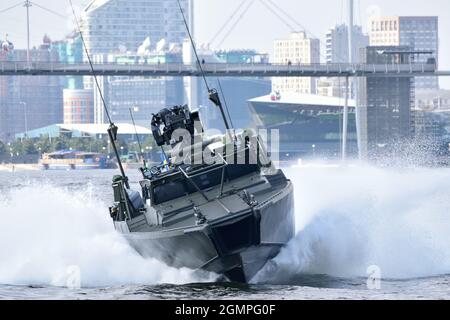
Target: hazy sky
258,28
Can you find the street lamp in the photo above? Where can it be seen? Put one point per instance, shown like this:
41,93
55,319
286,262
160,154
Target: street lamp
24,104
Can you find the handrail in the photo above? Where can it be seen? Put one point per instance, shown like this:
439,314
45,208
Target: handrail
193,183
221,69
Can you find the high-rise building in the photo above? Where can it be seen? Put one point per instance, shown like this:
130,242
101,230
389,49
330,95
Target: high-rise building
433,99
385,105
432,117
30,102
236,91
418,33
297,49
146,95
338,47
111,26
118,27
242,56
70,51
78,106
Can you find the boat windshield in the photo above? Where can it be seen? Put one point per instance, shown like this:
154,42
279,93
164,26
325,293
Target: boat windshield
178,186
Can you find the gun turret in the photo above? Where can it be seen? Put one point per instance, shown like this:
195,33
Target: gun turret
167,121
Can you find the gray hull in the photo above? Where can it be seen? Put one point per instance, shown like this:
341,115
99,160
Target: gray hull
237,245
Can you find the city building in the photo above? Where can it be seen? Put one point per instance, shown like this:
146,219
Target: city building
310,126
242,56
337,50
29,102
144,95
420,34
236,90
297,49
432,127
126,131
111,26
385,104
433,99
432,117
78,106
236,93
117,26
70,51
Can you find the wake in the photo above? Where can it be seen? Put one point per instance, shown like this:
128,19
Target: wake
351,218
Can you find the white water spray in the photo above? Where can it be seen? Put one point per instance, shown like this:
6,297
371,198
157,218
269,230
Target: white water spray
349,219
46,233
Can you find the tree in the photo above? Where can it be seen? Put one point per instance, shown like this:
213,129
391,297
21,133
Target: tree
97,145
17,148
28,147
3,149
79,144
43,145
60,143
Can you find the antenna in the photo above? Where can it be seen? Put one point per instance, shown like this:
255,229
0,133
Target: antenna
138,140
348,86
27,5
113,129
213,94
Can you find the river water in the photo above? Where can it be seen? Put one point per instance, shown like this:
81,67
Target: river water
362,233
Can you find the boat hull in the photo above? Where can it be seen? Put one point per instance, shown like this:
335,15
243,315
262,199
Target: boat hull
236,246
67,167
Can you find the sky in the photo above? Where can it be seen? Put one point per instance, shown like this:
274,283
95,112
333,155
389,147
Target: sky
256,30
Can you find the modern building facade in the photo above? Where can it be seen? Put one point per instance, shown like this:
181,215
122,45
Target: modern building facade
433,99
432,118
385,105
242,56
297,49
29,102
111,26
432,127
417,33
236,90
114,28
236,93
146,95
78,106
70,51
337,50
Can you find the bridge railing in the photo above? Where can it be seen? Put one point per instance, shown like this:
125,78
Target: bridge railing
218,68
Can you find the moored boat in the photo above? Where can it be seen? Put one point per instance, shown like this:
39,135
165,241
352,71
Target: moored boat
73,160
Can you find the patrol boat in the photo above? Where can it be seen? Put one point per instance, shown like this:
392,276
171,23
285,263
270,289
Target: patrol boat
229,212
216,203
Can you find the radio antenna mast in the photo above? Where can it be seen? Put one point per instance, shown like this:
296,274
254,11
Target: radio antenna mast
113,129
141,152
213,94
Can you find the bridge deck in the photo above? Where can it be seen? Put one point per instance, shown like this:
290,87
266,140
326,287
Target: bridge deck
222,70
